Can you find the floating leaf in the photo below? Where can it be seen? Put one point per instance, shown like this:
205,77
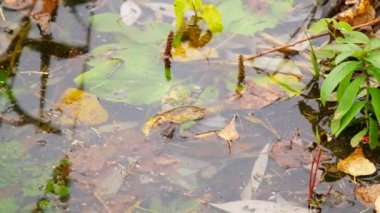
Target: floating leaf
368,195
186,53
242,20
229,132
356,164
129,12
254,96
293,154
111,183
257,174
77,106
249,206
177,115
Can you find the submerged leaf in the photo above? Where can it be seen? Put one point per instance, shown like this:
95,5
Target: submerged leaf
368,195
177,115
257,174
78,106
249,206
254,96
356,164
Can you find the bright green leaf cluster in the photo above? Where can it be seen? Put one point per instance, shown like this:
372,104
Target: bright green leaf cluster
357,61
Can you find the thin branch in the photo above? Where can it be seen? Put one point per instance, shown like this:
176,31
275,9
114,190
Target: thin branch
375,21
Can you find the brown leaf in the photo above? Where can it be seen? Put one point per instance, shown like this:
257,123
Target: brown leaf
78,106
362,12
356,164
177,115
229,132
368,194
293,154
254,96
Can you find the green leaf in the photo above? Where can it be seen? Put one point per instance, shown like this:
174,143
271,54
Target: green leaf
212,17
372,70
343,86
348,98
320,26
336,76
347,118
353,37
106,22
239,19
373,134
373,44
314,61
132,78
358,137
180,6
8,205
343,56
329,51
375,101
374,58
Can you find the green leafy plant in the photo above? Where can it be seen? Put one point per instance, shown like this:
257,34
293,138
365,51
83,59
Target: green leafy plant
354,80
207,12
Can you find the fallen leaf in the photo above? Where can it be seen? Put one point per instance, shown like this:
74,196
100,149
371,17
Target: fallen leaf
90,159
111,183
254,96
130,12
186,53
362,12
357,164
77,106
293,154
368,195
257,174
165,160
377,204
229,132
249,206
177,115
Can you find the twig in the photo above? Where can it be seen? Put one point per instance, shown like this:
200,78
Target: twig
375,21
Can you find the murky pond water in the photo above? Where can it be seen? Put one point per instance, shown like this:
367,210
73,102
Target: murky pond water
65,150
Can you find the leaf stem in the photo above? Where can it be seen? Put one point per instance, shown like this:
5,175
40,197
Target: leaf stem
366,116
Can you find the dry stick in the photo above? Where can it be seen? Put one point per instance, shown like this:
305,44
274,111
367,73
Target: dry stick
375,21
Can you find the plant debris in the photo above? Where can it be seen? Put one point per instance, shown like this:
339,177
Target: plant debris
357,164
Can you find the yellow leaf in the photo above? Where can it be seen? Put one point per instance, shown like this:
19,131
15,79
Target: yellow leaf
177,115
229,132
78,106
186,53
356,164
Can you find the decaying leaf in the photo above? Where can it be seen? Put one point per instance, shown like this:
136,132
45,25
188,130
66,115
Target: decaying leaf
247,206
177,115
111,182
362,12
254,96
77,106
293,154
185,53
368,195
257,174
229,132
357,164
130,12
